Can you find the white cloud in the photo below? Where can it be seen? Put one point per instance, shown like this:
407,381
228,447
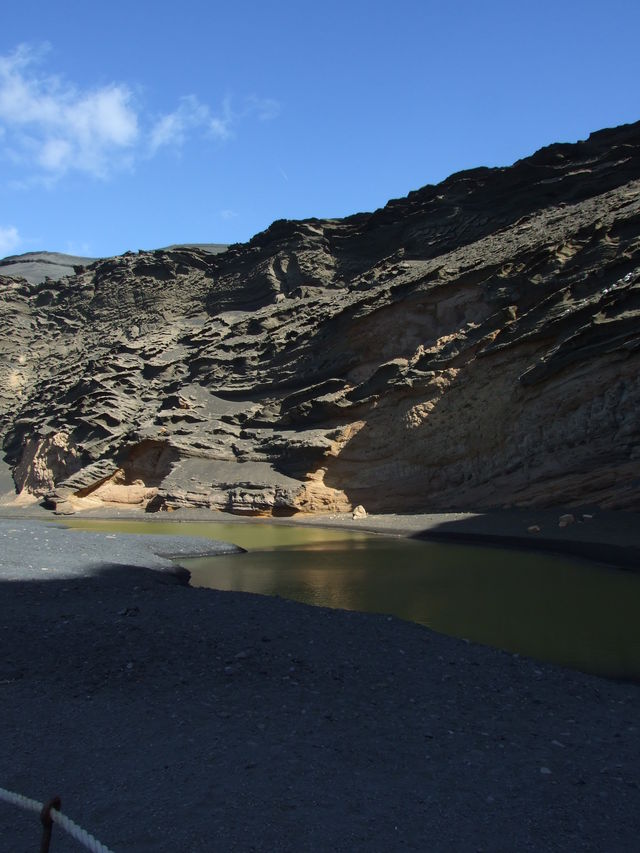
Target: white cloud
265,109
55,154
221,126
82,250
49,123
228,214
50,127
10,239
172,128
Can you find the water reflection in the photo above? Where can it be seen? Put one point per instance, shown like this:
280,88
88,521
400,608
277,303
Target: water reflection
576,613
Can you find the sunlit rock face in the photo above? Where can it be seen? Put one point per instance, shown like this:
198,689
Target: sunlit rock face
473,345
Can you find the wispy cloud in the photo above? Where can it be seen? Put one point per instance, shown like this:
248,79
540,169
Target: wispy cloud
265,109
49,126
10,239
174,129
82,250
228,214
221,126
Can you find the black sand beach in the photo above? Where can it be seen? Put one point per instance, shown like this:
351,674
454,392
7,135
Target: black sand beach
172,718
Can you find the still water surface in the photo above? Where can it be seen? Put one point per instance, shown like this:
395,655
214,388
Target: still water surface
583,615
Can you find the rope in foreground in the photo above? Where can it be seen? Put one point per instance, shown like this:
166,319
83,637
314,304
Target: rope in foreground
50,813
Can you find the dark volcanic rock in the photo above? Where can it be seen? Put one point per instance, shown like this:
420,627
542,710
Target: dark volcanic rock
36,267
473,345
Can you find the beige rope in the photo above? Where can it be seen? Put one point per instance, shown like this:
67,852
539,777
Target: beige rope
66,823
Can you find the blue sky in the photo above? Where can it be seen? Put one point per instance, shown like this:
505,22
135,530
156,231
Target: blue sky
128,125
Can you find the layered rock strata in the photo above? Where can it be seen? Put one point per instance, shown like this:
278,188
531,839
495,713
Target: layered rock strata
473,345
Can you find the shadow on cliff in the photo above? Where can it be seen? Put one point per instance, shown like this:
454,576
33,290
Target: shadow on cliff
476,436
422,449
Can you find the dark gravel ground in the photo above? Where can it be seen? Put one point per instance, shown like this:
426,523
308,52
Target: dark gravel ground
179,719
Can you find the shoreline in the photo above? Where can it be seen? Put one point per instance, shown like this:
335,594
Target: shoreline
611,537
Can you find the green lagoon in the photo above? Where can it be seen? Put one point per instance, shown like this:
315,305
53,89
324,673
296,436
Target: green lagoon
568,611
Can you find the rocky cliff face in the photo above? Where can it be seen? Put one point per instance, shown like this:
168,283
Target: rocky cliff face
473,345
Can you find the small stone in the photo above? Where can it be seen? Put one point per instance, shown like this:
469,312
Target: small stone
359,512
566,520
545,771
533,528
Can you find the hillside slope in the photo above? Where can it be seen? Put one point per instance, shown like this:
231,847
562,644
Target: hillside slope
473,345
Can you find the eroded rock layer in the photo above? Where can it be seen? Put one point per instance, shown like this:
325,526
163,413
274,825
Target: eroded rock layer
473,345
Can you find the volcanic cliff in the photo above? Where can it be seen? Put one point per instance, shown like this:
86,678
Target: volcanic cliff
474,345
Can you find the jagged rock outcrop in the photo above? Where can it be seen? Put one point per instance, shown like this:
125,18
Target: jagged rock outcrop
473,345
36,267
